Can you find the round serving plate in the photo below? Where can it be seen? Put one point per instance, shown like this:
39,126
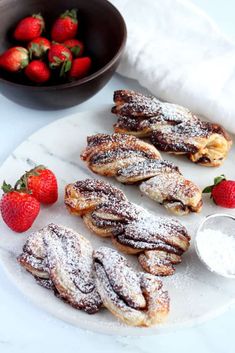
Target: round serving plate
196,293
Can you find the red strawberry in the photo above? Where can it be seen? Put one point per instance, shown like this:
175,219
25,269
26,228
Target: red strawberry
19,209
76,47
222,192
60,56
37,71
14,59
29,28
80,67
65,27
38,47
42,184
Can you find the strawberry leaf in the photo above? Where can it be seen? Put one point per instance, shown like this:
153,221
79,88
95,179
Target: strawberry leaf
207,189
65,67
57,60
75,50
22,184
24,63
6,187
66,54
70,13
35,50
218,179
68,65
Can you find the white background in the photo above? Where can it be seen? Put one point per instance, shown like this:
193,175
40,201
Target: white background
23,327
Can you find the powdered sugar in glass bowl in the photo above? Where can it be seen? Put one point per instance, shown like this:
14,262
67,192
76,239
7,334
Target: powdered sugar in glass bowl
215,244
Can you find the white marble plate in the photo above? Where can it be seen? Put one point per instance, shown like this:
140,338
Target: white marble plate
196,294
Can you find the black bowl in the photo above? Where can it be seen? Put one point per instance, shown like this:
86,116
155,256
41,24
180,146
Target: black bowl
103,32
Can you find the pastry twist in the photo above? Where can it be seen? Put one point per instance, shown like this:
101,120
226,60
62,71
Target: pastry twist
136,298
61,260
159,242
171,128
131,160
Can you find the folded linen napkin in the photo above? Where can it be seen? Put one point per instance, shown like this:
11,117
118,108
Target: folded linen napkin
177,52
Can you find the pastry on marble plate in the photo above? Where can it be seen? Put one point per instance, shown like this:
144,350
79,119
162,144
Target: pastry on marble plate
136,298
131,160
171,128
61,259
159,242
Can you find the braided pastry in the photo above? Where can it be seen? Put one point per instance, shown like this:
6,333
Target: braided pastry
62,261
135,298
159,242
131,160
171,128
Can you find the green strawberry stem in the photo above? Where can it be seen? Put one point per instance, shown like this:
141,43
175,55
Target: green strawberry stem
75,50
22,183
70,13
6,187
39,16
67,64
217,180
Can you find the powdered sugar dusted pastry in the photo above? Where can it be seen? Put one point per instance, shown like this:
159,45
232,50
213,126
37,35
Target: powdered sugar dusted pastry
133,230
68,265
83,196
106,154
136,298
171,128
131,160
33,257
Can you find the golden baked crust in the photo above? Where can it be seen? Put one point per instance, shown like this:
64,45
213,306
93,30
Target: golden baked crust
131,160
171,128
136,298
61,260
132,229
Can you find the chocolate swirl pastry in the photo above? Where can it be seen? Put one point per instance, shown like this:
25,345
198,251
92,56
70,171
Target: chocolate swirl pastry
61,260
159,242
171,128
131,160
136,298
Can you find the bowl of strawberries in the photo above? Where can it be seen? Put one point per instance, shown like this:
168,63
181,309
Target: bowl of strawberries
56,54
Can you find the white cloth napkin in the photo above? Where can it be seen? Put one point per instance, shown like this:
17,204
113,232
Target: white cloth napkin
177,53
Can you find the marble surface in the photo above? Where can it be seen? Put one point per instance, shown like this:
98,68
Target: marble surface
24,327
196,294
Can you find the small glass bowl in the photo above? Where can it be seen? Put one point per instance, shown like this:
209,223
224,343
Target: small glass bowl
217,221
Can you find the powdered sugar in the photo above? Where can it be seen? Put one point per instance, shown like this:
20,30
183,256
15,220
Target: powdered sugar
131,227
170,127
147,168
131,160
67,264
217,249
123,280
137,298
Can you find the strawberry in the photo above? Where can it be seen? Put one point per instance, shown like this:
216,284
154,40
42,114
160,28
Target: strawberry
60,56
29,28
19,209
38,47
14,59
37,71
76,47
80,67
41,183
222,192
65,27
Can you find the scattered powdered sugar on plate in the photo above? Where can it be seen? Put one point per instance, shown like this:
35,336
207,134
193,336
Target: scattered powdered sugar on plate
217,250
